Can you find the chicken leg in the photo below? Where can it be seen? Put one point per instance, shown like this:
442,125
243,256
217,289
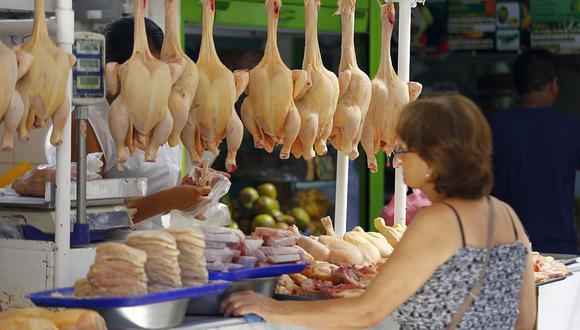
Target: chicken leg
355,90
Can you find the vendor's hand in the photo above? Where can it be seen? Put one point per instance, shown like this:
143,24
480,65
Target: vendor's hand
248,302
188,195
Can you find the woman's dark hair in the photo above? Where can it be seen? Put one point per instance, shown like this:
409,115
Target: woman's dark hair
534,69
119,38
451,135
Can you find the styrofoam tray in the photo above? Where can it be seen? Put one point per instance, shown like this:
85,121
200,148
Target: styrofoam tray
258,272
65,297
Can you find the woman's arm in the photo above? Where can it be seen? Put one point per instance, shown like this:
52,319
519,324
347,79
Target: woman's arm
178,198
424,247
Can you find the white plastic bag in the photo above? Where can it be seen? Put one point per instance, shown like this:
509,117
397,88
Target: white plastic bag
209,211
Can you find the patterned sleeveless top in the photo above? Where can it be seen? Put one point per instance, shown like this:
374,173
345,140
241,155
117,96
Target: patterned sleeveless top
496,307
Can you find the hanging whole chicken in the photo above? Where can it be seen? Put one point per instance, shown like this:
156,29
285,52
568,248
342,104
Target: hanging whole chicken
318,105
15,63
212,115
183,70
355,90
43,87
269,112
141,108
389,95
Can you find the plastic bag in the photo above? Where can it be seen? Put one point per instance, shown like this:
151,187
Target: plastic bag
415,202
208,212
33,183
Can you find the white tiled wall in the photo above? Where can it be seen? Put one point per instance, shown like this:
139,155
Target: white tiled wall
31,152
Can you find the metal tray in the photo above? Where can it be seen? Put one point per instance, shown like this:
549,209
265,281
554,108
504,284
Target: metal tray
258,272
99,193
210,304
552,280
150,311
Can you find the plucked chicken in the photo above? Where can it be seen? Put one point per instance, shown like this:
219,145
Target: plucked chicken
43,87
183,70
142,104
212,115
355,89
318,105
389,95
15,64
269,111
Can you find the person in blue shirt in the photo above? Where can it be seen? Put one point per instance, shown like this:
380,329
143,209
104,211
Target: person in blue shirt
536,151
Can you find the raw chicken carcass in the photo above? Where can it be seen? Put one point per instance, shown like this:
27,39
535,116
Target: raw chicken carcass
15,63
389,95
355,90
142,104
183,70
43,87
318,105
212,115
269,112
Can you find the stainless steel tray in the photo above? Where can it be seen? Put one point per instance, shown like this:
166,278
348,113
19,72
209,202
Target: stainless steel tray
210,304
552,280
162,315
99,193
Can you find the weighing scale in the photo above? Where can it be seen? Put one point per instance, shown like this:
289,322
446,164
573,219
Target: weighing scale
99,204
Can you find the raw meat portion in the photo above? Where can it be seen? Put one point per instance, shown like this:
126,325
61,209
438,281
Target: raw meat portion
237,235
269,251
141,107
43,87
318,105
378,240
118,270
212,115
183,71
328,226
251,245
78,319
355,89
280,242
316,249
389,95
370,252
269,112
43,319
271,233
286,258
219,267
191,245
246,261
15,63
162,266
342,252
221,255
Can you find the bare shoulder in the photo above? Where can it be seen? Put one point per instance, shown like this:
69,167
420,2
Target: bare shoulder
512,213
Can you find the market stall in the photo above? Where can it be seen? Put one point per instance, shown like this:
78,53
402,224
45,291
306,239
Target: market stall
174,278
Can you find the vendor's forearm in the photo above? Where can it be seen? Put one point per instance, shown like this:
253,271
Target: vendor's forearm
328,314
177,198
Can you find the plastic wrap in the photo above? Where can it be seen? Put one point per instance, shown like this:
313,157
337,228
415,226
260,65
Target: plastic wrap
209,211
33,183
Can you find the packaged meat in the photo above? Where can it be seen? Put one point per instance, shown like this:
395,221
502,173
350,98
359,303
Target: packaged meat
280,259
223,267
246,261
280,242
269,251
219,255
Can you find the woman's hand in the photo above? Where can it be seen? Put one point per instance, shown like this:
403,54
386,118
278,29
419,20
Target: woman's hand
248,302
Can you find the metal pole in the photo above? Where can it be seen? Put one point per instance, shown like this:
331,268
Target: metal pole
81,132
403,73
64,39
341,194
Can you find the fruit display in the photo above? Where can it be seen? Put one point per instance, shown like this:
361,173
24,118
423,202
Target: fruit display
259,207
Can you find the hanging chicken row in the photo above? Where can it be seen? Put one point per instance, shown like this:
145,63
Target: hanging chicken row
33,84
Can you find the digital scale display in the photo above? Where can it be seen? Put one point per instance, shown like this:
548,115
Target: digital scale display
88,72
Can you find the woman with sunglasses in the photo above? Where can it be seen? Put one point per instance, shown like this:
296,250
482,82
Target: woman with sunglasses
464,262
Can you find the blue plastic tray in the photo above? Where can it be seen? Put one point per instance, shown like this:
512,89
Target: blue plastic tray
48,298
259,272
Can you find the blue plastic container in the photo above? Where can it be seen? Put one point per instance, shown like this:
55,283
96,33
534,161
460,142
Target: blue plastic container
258,272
